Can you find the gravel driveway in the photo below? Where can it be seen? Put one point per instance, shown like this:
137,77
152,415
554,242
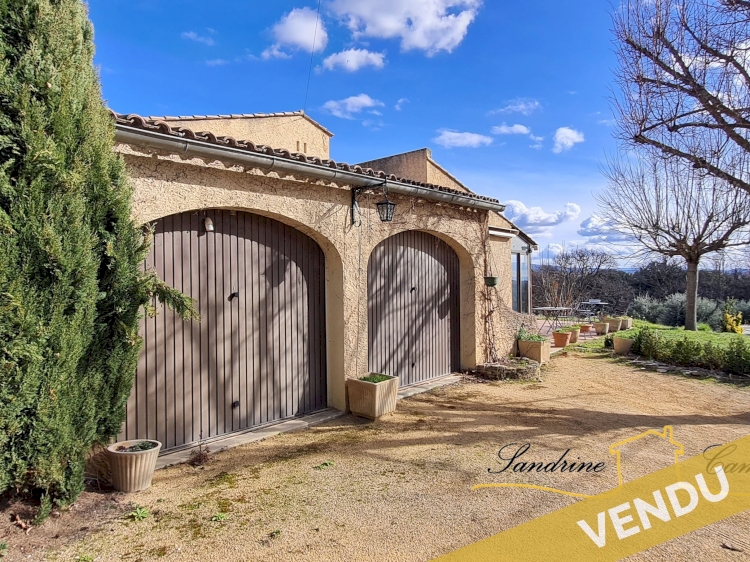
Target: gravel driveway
400,488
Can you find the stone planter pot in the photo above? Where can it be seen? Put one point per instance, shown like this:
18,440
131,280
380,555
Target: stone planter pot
622,345
614,324
626,323
535,350
574,335
601,328
561,338
132,471
372,399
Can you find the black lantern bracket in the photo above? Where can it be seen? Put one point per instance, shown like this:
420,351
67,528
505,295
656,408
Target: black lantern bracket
385,208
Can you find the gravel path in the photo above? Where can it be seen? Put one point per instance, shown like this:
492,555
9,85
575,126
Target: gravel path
400,488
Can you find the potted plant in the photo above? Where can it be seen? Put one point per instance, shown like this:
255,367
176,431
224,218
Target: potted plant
372,396
622,345
627,323
132,463
601,328
532,346
614,324
575,331
561,337
586,328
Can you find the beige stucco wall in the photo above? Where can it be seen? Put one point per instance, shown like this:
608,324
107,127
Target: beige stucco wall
295,133
164,185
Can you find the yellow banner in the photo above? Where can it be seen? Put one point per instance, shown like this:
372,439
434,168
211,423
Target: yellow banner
632,517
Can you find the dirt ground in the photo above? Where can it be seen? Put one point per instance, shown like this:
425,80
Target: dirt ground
400,488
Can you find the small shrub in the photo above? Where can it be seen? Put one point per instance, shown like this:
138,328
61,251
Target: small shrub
376,377
732,321
3,549
609,341
323,465
219,517
138,513
713,356
524,335
686,352
647,343
738,356
702,327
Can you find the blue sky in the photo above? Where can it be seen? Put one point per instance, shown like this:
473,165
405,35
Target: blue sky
512,97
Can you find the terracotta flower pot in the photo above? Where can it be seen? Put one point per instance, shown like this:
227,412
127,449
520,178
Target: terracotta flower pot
561,338
622,345
601,328
535,350
586,328
372,399
132,470
614,324
574,333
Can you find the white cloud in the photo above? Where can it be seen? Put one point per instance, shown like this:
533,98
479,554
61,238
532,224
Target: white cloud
427,25
400,104
566,138
511,130
524,106
349,107
536,220
599,231
216,62
193,36
451,139
352,60
297,31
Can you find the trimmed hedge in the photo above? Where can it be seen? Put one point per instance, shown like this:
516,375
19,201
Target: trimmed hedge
689,351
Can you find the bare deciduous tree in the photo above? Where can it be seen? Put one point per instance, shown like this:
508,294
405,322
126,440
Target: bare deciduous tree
669,208
570,277
685,82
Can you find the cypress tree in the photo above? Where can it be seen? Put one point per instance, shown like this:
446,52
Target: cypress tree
71,286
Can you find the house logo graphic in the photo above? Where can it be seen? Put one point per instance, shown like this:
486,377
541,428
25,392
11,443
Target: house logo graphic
667,433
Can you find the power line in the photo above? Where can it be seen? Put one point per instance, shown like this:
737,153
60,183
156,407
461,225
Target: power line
312,53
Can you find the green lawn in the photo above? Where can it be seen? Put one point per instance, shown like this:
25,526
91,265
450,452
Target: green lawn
667,332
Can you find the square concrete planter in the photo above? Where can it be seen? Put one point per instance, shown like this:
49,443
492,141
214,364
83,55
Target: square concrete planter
575,333
614,324
601,328
535,350
372,399
626,324
132,470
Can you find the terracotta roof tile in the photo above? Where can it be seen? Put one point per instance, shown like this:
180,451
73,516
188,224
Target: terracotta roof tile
160,125
238,116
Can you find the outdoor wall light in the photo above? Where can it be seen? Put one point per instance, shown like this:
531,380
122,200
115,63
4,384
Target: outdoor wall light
385,210
208,224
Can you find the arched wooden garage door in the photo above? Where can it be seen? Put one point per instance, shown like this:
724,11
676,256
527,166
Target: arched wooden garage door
413,308
257,355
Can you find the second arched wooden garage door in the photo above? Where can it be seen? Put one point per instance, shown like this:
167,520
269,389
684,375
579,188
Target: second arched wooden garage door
258,355
413,308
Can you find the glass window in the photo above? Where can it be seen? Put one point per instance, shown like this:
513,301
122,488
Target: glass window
524,287
514,273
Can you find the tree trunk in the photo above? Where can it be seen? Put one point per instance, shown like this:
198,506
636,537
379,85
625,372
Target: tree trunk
691,320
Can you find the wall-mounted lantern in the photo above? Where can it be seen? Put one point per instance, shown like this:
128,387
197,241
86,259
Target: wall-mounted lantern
208,224
385,208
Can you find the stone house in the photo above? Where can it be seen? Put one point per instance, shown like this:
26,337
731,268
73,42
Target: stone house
299,283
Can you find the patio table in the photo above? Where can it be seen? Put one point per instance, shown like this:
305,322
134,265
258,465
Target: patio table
551,316
599,304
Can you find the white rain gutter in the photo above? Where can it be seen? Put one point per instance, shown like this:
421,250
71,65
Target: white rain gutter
199,149
503,232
